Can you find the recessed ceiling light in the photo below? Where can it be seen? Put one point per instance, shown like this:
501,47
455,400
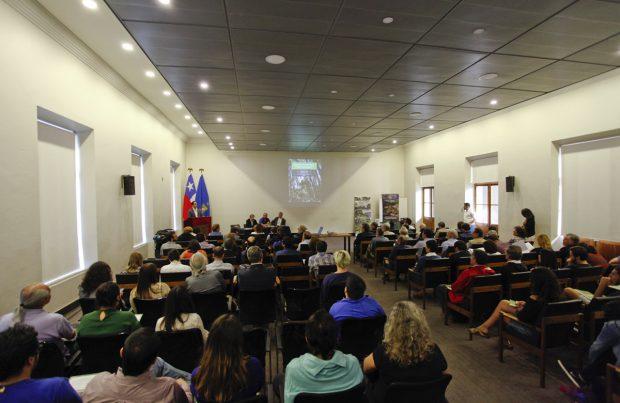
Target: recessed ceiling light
204,85
352,146
493,102
391,95
165,2
201,132
178,106
372,150
265,131
415,114
387,20
167,93
488,76
230,144
232,147
90,4
431,127
194,125
262,144
479,31
311,122
334,91
187,117
268,107
127,46
394,141
275,59
227,137
219,119
149,73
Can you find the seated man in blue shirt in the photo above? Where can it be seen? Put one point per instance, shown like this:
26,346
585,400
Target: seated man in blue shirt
289,249
355,305
19,349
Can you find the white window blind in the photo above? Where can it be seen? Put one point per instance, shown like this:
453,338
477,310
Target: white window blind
60,252
137,201
484,170
590,193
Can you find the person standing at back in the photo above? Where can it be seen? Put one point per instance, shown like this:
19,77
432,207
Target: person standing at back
529,224
469,217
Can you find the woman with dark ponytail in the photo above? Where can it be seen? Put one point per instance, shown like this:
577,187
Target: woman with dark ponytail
529,225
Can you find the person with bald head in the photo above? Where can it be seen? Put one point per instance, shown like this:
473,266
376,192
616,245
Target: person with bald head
49,326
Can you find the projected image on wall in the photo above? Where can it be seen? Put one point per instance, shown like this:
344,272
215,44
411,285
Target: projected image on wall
304,181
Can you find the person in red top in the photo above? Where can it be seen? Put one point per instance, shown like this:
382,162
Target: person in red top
457,291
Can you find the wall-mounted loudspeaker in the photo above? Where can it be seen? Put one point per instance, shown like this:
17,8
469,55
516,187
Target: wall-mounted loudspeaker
510,184
129,188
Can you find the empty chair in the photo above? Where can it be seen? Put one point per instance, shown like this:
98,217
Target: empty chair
405,259
181,349
301,302
151,310
209,306
419,392
101,353
51,361
382,250
87,305
296,275
435,272
519,286
361,336
354,395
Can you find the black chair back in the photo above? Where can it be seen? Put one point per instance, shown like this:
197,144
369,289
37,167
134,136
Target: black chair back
215,238
210,306
157,262
293,340
293,276
257,307
422,392
558,334
434,273
151,310
361,336
234,260
530,259
405,258
126,278
565,277
353,395
87,305
51,362
595,316
101,353
391,237
587,278
255,344
547,258
519,285
335,292
486,292
496,260
182,349
305,247
383,250
288,260
174,277
476,246
301,303
324,270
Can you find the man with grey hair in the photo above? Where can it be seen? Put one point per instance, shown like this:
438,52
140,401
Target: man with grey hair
453,236
49,326
202,280
255,276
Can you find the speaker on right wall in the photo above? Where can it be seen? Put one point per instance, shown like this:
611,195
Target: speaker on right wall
510,184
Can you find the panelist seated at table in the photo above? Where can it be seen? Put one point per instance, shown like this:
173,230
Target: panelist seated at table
264,220
250,222
279,220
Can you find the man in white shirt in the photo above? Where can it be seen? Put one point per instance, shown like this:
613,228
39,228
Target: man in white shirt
279,220
469,216
175,266
218,261
194,212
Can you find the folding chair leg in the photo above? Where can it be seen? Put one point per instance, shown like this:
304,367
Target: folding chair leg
423,298
409,289
501,341
542,369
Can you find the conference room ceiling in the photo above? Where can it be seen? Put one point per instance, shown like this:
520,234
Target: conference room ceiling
362,75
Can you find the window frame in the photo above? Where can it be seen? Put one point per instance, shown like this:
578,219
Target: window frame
432,201
489,205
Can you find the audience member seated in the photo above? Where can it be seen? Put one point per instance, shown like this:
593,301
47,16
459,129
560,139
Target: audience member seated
257,230
425,234
399,244
577,258
456,292
513,260
225,373
465,232
478,238
135,262
321,258
594,258
370,251
519,239
97,274
108,319
19,351
568,241
187,235
441,231
251,241
202,241
386,229
193,247
149,286
231,248
305,240
452,238
314,240
215,230
324,369
175,266
490,248
169,244
49,326
544,251
202,280
180,313
407,353
544,289
364,235
492,236
431,250
586,296
355,305
343,260
218,261
404,232
289,249
255,276
134,381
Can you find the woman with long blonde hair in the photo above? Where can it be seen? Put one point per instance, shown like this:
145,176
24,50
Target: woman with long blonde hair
407,353
135,262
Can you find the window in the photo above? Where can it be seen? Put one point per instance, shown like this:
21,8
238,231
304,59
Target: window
486,203
428,202
138,202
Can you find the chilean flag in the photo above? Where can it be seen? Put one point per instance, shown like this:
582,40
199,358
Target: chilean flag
190,196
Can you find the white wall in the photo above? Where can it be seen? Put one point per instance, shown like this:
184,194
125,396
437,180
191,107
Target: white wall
240,183
37,71
523,138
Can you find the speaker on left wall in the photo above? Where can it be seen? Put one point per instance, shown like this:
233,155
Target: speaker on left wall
128,182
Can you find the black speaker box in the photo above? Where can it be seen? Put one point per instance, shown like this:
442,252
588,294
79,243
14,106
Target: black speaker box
510,184
129,187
